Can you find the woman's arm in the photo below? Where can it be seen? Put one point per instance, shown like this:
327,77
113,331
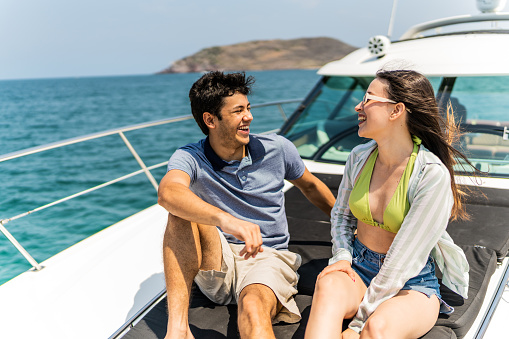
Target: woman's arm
343,223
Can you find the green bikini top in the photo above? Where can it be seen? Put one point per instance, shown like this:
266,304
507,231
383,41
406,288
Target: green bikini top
398,206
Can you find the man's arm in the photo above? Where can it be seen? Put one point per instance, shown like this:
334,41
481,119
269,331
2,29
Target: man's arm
176,197
315,191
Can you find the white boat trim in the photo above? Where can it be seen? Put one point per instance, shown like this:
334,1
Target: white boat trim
66,300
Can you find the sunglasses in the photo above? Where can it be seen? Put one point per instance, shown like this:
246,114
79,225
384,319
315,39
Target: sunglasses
368,97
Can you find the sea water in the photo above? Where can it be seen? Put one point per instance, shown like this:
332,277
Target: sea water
37,112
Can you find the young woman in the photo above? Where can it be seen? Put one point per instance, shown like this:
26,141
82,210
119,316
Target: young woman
388,224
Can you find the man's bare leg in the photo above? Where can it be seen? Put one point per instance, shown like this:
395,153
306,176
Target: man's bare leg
258,305
183,245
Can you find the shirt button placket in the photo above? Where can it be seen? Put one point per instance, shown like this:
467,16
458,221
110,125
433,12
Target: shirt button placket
242,178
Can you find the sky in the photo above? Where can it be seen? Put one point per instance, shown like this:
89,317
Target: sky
77,38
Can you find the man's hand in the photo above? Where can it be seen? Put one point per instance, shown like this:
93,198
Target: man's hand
350,334
247,232
176,197
341,266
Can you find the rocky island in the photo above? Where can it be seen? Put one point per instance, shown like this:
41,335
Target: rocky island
304,53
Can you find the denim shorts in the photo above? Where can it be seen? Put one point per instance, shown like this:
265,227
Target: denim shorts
367,263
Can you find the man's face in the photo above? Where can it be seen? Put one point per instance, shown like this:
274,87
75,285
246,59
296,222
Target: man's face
233,128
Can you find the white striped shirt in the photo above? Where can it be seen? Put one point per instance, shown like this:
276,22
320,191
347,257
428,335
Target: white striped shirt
422,232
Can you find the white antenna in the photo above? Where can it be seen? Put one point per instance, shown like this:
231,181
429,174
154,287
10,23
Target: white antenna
393,14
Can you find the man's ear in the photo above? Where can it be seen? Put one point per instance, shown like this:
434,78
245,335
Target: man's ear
209,120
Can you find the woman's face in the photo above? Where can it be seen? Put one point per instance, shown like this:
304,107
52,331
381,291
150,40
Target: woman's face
374,113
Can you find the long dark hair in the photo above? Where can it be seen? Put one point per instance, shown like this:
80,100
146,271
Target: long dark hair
438,134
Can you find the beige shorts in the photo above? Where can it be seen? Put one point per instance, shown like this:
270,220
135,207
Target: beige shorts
276,269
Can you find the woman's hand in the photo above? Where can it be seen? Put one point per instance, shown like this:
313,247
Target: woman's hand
350,334
341,266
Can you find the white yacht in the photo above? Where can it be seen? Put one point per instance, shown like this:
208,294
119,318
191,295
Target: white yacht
111,285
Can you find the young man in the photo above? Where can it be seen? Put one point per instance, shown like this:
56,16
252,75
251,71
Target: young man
227,228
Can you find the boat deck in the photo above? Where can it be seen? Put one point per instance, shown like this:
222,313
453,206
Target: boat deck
310,237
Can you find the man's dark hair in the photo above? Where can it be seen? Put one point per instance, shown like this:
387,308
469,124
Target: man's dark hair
207,93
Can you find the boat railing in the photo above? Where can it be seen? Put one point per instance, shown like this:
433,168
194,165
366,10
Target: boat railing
414,31
120,132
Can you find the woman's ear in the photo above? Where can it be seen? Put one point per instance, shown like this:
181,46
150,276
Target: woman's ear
209,120
398,110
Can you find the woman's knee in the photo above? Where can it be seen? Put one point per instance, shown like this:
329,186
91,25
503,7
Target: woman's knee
376,327
330,285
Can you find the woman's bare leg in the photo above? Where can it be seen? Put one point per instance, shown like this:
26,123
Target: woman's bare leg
336,297
409,314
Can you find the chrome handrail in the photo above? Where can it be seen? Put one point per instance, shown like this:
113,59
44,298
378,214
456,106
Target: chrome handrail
58,144
121,132
72,196
461,19
37,149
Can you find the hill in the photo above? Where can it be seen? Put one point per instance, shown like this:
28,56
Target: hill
304,53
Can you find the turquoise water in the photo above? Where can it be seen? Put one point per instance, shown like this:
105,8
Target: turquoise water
36,112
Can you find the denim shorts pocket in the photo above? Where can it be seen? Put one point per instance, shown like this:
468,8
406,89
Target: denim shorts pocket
357,257
430,265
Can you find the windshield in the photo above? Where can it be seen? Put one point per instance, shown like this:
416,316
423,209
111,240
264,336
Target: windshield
481,104
324,128
329,113
479,99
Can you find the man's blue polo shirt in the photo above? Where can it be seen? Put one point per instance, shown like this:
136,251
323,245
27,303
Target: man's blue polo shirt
250,189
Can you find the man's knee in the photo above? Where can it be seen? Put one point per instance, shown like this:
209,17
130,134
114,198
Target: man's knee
258,300
176,223
180,241
179,230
